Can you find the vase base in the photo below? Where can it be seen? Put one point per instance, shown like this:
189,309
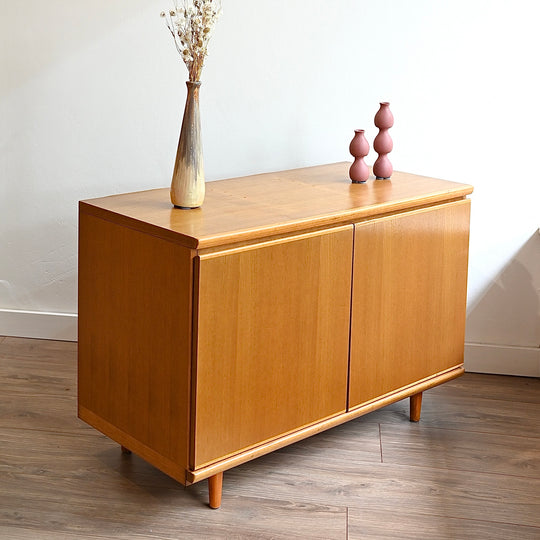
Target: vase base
382,178
186,207
358,181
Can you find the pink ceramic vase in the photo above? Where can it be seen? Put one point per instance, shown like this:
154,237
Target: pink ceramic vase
359,148
383,145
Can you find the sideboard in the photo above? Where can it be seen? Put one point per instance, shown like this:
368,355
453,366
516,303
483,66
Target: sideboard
289,303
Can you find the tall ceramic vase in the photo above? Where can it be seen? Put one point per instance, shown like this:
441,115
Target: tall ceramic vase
383,145
187,187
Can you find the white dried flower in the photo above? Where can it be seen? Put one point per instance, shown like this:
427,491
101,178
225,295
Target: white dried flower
191,26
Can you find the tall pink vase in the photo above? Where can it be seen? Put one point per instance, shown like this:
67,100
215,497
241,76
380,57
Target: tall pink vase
383,145
359,149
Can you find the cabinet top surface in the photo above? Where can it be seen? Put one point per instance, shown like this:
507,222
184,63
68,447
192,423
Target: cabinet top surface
251,207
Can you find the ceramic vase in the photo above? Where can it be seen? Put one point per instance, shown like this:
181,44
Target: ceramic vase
383,145
187,186
359,149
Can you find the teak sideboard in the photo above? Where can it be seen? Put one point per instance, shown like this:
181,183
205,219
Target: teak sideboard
289,303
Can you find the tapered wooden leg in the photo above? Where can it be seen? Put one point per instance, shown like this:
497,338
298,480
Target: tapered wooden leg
416,407
215,486
125,450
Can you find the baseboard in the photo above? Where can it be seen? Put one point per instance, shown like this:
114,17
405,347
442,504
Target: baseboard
502,359
38,324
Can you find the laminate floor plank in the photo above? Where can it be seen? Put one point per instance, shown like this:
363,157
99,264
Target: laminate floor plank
418,445
55,456
446,411
39,366
357,484
497,387
40,411
358,440
406,524
60,353
19,533
126,510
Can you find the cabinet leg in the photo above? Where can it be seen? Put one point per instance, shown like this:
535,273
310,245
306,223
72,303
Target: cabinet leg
215,486
125,450
416,407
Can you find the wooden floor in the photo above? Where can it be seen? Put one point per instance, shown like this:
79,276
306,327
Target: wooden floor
470,469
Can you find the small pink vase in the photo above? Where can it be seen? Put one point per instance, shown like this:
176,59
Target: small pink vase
383,145
359,149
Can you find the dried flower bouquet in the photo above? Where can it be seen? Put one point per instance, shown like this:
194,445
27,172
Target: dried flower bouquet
191,23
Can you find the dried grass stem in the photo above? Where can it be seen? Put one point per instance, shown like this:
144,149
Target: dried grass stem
191,23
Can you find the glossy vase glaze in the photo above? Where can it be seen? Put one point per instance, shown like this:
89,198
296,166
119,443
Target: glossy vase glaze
187,187
359,149
383,144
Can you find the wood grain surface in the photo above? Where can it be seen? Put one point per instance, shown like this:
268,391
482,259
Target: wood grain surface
409,296
255,207
135,339
408,524
468,469
272,347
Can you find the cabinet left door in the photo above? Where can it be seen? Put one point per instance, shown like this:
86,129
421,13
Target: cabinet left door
135,340
272,340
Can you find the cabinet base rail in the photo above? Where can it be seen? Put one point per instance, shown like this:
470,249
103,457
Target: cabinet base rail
214,471
408,391
215,482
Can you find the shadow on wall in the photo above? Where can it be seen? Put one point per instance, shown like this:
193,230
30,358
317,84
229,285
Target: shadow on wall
508,313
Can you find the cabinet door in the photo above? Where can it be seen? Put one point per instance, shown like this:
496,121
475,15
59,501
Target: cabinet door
409,296
272,341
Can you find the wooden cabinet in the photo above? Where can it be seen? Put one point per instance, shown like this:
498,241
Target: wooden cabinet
289,303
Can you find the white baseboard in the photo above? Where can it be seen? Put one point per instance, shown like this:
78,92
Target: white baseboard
502,359
38,324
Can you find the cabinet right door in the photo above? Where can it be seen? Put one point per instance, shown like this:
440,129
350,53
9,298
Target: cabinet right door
408,299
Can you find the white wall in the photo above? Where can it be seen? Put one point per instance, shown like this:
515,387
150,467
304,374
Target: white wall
92,95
